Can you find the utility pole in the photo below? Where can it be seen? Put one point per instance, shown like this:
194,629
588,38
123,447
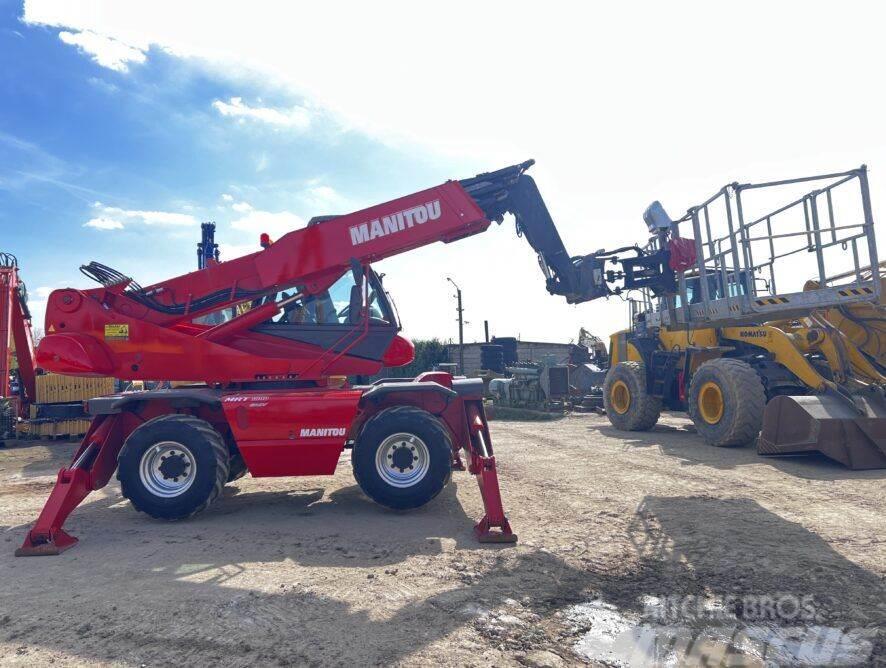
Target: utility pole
461,328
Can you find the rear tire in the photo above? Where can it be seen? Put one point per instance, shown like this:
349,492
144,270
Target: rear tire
173,466
402,457
726,401
628,406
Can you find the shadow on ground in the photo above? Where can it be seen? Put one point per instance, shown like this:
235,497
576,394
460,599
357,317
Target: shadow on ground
687,446
150,592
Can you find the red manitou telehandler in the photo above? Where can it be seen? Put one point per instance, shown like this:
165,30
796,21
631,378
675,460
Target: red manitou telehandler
273,337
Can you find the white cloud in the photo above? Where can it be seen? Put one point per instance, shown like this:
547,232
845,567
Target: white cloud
115,218
41,291
227,198
296,117
104,224
276,224
105,51
231,251
322,194
241,207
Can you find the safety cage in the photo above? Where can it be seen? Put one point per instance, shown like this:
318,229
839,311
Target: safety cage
752,244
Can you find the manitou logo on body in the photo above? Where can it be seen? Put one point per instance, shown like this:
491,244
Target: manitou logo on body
322,432
396,222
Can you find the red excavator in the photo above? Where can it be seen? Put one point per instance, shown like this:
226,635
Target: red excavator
273,337
17,385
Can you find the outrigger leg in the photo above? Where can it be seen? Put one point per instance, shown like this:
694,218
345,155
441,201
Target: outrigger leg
494,527
93,465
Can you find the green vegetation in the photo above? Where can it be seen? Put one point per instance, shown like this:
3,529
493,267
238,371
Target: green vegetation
428,353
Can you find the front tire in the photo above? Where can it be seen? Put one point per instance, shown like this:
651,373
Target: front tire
173,466
628,406
402,457
726,401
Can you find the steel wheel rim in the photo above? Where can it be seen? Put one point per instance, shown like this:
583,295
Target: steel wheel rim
620,397
710,403
167,469
402,460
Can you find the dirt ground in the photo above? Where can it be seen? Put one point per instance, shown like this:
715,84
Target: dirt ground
613,528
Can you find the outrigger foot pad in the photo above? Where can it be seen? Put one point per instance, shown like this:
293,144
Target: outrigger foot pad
45,546
486,534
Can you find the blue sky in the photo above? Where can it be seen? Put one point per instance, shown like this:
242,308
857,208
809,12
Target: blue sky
123,125
120,163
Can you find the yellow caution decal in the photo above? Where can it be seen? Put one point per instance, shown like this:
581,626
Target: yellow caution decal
117,332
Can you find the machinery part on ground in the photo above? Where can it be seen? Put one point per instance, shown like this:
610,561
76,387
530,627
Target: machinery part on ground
492,357
508,349
7,419
726,401
537,386
173,466
595,347
628,404
801,349
402,458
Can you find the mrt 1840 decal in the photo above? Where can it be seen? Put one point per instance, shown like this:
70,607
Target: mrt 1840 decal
396,222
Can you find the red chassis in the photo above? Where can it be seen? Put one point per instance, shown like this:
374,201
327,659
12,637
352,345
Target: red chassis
266,427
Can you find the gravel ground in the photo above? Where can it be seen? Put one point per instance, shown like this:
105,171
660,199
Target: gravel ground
621,537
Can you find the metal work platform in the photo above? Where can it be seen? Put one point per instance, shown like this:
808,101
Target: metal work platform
751,267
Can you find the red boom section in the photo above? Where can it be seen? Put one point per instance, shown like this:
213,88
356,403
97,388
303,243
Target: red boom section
15,331
109,331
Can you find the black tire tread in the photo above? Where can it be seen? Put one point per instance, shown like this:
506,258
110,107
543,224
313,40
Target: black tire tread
434,424
649,411
747,387
219,449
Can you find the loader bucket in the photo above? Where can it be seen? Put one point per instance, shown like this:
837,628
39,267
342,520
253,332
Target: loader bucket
826,424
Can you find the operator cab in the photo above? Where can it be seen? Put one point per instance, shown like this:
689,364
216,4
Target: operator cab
333,319
334,306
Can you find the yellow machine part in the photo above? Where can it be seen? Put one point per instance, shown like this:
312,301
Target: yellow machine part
864,324
54,388
52,428
621,350
788,342
784,349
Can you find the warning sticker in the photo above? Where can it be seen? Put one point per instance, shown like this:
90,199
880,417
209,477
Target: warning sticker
117,332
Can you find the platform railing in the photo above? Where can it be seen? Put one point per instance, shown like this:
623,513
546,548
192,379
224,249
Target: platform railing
738,276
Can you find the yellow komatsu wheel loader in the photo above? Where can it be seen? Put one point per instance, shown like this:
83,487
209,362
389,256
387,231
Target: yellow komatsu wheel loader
805,367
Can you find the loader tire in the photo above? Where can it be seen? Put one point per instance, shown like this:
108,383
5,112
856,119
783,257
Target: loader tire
726,401
628,406
402,457
173,466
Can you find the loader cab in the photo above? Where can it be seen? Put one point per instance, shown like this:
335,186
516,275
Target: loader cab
716,287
